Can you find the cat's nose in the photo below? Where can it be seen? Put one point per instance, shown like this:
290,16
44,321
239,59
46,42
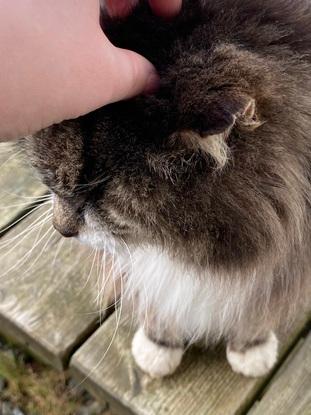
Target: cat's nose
66,220
66,231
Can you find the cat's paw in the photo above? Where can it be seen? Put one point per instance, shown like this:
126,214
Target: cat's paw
255,361
156,360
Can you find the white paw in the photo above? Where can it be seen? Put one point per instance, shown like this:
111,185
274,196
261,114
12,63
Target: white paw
158,361
255,361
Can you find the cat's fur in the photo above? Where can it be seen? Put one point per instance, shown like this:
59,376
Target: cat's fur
208,181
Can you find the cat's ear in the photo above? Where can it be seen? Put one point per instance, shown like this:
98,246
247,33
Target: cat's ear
219,114
209,130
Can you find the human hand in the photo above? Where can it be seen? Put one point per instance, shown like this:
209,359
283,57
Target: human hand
57,64
164,8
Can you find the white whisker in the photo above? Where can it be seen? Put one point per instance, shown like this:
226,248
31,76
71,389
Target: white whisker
42,250
57,251
16,154
24,216
28,198
36,223
94,253
22,260
118,319
47,196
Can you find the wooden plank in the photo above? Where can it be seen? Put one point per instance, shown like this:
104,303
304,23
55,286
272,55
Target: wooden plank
18,185
289,392
46,302
203,385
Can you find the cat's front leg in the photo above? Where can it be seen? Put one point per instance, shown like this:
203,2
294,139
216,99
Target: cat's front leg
255,358
154,356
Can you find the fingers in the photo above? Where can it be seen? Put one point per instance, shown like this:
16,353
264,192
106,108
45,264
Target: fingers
133,75
164,8
120,8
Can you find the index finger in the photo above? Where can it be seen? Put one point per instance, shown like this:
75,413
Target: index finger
164,8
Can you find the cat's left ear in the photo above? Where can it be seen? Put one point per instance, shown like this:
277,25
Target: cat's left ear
219,114
209,129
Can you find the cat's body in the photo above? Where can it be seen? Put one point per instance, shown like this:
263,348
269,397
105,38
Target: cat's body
206,184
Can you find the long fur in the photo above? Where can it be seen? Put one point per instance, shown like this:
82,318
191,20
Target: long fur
208,180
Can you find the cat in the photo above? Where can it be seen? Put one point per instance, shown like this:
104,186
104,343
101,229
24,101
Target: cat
205,184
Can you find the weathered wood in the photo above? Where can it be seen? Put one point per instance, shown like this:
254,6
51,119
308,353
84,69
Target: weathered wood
46,302
289,392
18,185
203,385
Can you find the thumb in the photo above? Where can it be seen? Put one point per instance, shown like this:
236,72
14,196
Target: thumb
132,74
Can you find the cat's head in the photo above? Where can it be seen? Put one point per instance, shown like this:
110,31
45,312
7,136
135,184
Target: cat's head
180,169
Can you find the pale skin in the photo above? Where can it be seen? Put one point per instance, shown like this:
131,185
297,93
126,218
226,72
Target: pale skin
57,64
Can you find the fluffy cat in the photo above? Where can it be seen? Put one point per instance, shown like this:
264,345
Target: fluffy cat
206,184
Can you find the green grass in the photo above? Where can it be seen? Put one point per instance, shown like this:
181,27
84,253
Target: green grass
35,389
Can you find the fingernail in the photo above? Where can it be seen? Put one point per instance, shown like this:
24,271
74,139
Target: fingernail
120,8
153,83
166,9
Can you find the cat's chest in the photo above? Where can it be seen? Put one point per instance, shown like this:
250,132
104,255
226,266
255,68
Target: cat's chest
200,306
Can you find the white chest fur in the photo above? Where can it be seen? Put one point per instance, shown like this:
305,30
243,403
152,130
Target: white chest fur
198,307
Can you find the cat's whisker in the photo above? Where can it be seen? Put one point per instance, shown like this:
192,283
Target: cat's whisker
146,319
72,267
118,319
129,272
101,292
20,241
19,205
27,232
12,156
105,280
97,275
118,276
36,223
22,260
37,240
42,250
129,253
7,147
105,277
120,301
58,249
23,217
93,183
102,300
104,258
93,253
41,197
47,196
101,289
115,275
124,293
133,308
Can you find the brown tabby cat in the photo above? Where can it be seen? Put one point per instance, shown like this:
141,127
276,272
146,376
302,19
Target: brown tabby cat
206,184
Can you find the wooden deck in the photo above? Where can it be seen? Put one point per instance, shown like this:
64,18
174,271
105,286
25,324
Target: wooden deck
48,304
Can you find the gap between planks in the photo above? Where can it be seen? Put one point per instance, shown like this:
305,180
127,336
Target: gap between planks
46,302
19,186
203,385
289,392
